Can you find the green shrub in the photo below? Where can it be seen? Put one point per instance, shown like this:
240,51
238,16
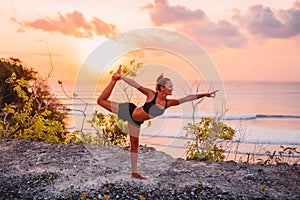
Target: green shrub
109,130
31,85
22,121
206,136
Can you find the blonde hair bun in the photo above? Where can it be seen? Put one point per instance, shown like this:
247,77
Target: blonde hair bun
159,78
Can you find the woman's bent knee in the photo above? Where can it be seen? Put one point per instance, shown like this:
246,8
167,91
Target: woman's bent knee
108,105
104,103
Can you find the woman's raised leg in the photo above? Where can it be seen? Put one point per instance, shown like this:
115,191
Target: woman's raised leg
107,104
102,99
134,133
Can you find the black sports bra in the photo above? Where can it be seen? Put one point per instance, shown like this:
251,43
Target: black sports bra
152,109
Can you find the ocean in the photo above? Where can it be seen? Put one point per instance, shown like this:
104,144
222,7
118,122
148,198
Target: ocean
265,115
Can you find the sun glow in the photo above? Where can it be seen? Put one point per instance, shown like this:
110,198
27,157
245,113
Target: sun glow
87,46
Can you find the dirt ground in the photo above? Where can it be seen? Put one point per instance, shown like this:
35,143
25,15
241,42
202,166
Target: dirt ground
37,170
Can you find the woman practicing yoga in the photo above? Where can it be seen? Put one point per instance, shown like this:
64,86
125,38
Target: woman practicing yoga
155,105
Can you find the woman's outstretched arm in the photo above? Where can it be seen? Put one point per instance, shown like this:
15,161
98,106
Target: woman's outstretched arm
136,85
191,97
132,82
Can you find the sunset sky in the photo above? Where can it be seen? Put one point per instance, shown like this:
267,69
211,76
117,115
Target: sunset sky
248,40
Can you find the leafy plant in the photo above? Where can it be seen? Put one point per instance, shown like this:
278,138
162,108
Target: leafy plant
206,136
109,130
22,121
29,84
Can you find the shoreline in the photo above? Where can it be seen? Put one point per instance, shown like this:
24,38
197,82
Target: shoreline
47,171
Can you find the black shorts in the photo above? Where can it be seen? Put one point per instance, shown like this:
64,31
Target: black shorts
125,113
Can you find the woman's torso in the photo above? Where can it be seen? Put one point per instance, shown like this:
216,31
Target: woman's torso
150,109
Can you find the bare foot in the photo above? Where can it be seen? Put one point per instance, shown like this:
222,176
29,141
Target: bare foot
137,175
117,75
119,69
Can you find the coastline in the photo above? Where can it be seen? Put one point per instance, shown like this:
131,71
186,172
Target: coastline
46,171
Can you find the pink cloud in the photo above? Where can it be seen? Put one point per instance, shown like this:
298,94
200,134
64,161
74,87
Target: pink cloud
162,13
269,23
296,5
215,34
196,24
73,24
258,21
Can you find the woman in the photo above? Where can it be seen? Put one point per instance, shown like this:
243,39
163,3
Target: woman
155,105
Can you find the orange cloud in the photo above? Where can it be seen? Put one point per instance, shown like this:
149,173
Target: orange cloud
74,24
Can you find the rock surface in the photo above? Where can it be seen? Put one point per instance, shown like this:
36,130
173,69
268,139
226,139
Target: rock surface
37,170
